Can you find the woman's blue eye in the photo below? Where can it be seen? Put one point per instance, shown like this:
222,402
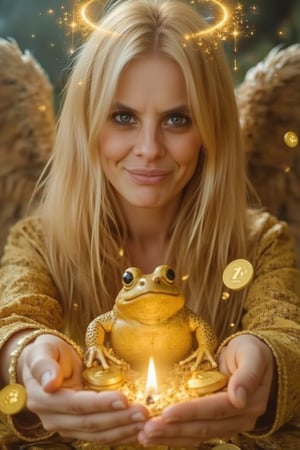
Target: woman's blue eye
178,120
123,118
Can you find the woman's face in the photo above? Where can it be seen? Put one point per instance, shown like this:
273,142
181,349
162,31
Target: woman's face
149,147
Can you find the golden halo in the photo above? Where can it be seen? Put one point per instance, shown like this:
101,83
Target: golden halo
84,14
217,26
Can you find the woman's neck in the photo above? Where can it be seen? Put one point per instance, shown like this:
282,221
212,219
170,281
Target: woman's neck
149,234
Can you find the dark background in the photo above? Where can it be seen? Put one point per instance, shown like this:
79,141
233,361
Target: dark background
45,28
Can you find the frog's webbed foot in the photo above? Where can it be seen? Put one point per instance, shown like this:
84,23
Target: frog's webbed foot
202,353
100,354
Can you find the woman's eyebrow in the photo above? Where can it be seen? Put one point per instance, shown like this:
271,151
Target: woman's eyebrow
181,108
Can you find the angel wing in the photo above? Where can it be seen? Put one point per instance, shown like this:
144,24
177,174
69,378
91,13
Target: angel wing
269,104
27,130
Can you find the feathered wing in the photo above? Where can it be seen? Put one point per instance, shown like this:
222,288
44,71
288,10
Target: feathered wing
269,103
27,129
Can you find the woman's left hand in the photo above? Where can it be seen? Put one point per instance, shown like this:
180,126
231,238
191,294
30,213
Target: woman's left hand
251,366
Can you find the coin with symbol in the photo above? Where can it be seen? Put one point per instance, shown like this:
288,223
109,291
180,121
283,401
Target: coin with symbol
207,381
101,379
238,274
291,139
12,399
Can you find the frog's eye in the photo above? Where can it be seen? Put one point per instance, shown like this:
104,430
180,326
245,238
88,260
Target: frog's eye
170,275
127,278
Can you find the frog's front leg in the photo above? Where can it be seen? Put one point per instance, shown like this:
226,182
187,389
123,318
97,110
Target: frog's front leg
94,339
206,340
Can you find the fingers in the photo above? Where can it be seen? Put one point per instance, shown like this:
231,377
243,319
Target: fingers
53,363
253,379
191,433
88,415
215,406
251,364
107,427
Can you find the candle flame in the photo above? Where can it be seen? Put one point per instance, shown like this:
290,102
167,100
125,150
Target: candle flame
151,383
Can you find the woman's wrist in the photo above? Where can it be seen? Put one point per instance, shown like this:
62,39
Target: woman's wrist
13,369
6,352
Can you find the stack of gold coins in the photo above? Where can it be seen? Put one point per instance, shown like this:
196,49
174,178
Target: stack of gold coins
207,381
99,379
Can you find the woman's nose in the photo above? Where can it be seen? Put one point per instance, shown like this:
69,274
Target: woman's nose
149,142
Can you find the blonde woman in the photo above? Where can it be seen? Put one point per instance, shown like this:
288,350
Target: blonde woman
148,169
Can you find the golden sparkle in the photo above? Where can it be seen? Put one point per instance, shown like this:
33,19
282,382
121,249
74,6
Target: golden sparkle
225,296
185,277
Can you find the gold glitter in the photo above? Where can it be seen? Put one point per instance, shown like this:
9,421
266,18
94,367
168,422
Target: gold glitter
225,296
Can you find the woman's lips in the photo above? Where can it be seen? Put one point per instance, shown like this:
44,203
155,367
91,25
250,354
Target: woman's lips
149,176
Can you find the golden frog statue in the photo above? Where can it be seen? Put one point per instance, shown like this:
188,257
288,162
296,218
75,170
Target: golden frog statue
150,318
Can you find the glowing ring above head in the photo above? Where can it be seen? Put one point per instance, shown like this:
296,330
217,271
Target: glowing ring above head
216,26
84,15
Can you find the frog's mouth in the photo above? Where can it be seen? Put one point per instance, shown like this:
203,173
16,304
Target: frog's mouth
151,306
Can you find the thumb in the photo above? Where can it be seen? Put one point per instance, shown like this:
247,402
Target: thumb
51,377
238,394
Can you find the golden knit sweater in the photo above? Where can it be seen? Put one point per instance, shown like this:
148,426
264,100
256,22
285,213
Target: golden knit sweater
29,299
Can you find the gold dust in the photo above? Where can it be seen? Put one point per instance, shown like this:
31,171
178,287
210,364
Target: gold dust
225,296
185,277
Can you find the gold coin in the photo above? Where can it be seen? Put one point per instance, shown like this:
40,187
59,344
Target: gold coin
238,274
100,379
12,399
226,447
208,381
291,139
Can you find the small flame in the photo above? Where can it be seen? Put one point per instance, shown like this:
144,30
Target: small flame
151,383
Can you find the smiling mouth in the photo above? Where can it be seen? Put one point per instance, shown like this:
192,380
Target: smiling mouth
149,176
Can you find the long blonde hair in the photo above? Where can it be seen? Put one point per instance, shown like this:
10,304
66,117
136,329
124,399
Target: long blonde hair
84,228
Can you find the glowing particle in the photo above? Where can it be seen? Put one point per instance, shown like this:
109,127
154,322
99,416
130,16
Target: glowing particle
185,277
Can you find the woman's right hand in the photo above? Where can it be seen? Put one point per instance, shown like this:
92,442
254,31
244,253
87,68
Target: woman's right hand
50,370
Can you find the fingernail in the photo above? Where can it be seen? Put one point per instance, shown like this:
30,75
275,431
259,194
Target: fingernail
171,419
46,377
137,417
155,434
242,395
118,404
